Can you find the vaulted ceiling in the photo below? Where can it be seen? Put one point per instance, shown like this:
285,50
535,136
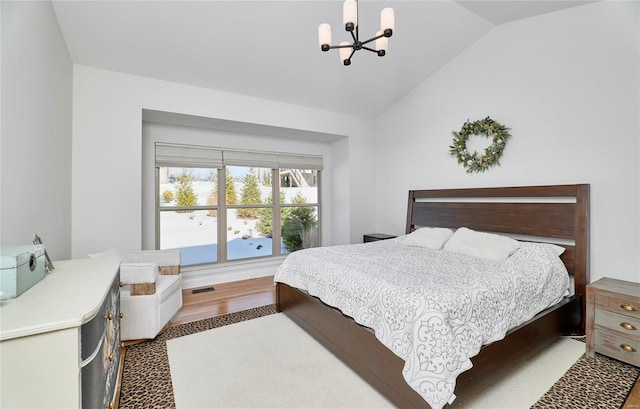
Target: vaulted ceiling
269,49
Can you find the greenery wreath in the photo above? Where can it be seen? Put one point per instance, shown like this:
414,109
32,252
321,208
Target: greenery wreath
473,161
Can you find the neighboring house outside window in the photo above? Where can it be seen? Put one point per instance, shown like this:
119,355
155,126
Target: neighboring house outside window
224,211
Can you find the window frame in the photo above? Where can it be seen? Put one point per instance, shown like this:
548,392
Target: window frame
221,207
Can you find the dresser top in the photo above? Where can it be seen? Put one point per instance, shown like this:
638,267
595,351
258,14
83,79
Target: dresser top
68,297
617,286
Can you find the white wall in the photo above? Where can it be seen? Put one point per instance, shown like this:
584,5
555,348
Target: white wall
107,152
35,135
567,85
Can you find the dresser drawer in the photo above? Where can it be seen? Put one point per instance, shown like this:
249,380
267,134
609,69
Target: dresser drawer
627,325
100,367
108,316
617,346
618,305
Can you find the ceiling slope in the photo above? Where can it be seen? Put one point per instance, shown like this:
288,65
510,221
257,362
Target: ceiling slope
269,49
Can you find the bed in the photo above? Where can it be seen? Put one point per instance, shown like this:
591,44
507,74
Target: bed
555,214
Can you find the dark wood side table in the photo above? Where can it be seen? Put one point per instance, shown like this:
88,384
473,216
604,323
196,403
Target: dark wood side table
376,236
613,320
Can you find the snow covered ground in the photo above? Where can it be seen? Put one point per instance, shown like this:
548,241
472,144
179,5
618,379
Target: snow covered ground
195,233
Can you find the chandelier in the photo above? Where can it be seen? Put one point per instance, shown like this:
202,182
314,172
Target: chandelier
350,21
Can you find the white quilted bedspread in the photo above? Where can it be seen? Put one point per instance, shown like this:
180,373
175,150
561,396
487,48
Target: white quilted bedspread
432,308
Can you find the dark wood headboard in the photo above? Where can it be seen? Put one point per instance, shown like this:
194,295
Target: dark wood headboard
544,212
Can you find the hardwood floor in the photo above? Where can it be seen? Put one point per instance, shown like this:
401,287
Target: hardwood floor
633,400
224,299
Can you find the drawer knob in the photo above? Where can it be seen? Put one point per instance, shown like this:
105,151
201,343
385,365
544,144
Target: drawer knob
627,347
110,358
121,315
629,326
121,284
109,316
628,307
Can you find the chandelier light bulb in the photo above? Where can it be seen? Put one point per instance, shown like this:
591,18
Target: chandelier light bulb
350,14
387,21
324,36
382,44
345,52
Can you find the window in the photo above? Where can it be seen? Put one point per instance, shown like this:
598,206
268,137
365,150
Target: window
216,205
299,210
187,213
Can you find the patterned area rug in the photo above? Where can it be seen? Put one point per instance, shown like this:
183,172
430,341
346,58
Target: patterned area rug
146,381
594,383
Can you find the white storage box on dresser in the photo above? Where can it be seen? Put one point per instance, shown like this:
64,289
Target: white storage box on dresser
60,341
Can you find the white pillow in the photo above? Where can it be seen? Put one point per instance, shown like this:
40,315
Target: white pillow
430,237
557,250
479,244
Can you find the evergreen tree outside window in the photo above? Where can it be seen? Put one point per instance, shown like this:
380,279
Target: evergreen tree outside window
185,196
299,228
250,196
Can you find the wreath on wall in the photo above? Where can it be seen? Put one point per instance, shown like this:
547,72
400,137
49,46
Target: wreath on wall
473,161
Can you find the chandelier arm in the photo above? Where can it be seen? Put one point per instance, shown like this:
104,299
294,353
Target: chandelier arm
348,60
354,36
331,47
373,39
370,49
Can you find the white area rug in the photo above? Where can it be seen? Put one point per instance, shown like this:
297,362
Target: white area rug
243,366
526,384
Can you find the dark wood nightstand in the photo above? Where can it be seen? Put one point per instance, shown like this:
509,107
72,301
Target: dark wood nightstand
376,236
613,320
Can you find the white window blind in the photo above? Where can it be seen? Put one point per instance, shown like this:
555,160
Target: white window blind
177,155
250,158
191,156
288,160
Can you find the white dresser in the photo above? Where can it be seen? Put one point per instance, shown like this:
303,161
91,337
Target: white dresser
60,340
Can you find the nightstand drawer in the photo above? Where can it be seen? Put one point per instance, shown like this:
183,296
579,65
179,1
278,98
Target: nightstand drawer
618,305
626,349
624,324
